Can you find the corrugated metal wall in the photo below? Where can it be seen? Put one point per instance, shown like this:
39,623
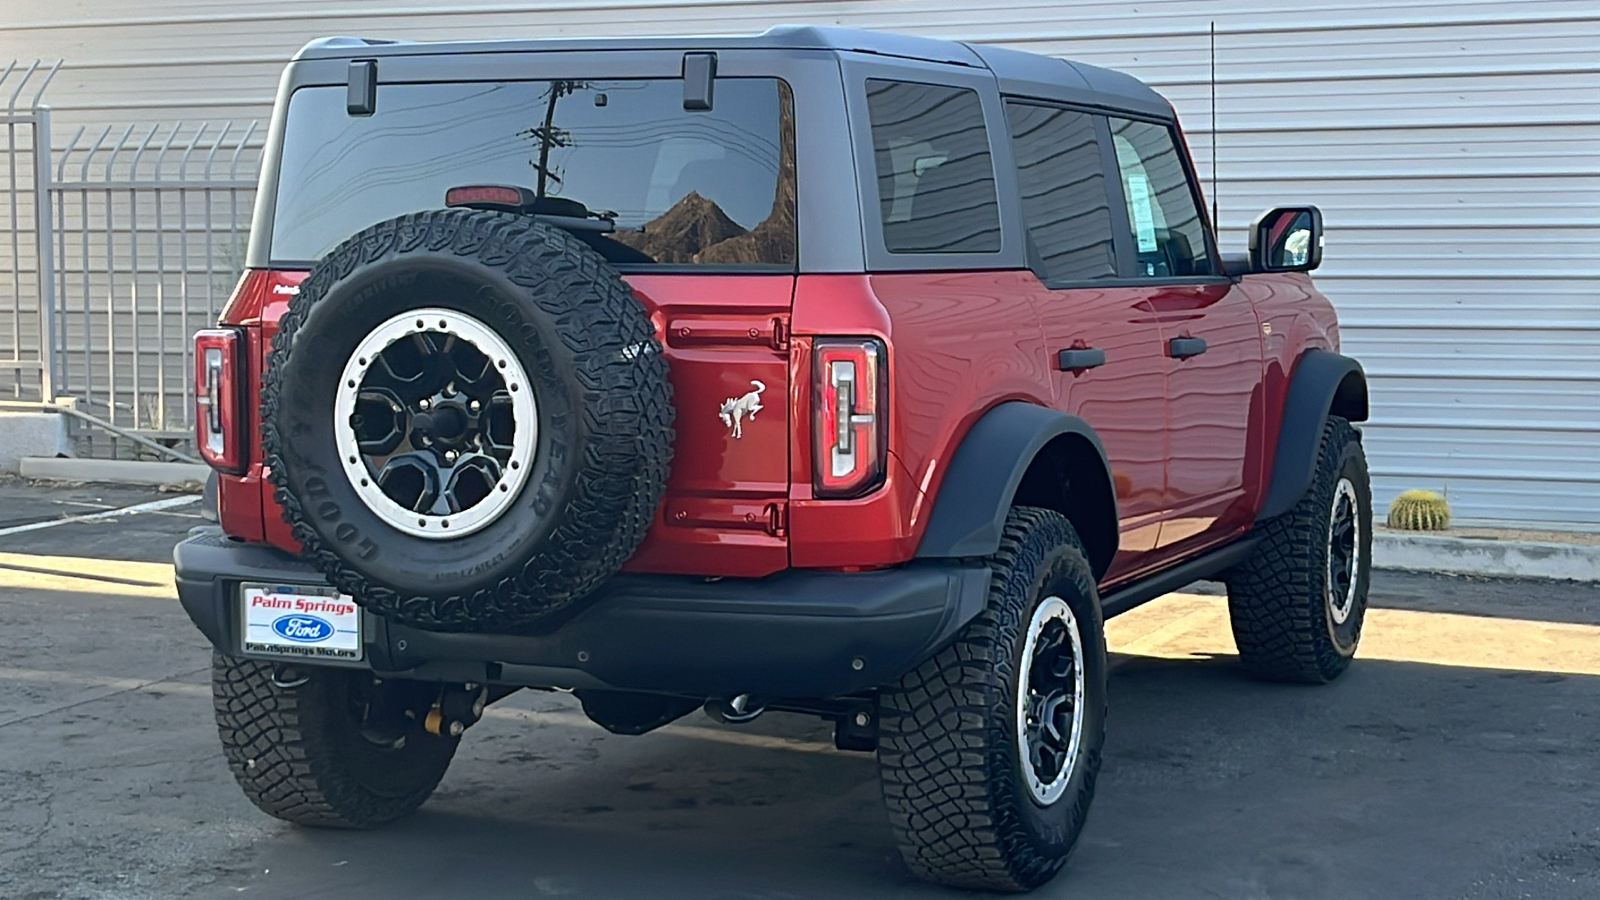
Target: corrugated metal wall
1455,148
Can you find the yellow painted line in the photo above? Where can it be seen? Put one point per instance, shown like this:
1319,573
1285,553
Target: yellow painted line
105,682
1184,626
85,575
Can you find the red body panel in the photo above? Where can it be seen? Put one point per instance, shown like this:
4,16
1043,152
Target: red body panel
1209,403
1294,317
725,505
959,343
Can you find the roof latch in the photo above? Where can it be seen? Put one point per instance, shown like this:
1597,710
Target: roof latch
362,96
699,73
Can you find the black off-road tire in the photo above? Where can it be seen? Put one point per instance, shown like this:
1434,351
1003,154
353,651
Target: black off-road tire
604,417
948,755
1279,600
293,739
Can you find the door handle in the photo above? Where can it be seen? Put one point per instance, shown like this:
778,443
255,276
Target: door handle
1079,358
1185,347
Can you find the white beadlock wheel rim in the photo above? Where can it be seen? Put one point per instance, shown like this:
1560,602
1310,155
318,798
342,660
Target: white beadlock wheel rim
1037,712
437,522
1344,546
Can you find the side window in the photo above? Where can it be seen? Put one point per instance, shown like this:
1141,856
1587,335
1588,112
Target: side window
1168,235
935,178
1063,188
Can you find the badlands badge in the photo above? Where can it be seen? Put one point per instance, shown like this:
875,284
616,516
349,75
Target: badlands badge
735,409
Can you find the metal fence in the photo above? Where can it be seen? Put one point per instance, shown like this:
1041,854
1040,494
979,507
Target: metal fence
149,225
25,298
141,233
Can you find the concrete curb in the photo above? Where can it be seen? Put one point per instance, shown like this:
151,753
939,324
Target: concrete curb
125,471
1479,556
26,434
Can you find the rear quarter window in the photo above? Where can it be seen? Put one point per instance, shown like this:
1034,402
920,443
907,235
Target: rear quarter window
936,191
678,187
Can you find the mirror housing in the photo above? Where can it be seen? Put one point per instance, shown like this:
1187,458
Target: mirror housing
1286,239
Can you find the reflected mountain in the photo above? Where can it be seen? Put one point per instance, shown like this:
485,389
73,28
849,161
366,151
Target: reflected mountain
681,234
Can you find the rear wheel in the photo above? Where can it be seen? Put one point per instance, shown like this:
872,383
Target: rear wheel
327,747
988,752
1297,605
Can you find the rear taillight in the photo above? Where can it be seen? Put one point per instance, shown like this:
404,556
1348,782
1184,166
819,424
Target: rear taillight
218,382
851,415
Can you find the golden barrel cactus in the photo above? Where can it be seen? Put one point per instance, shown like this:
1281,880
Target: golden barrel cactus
1419,511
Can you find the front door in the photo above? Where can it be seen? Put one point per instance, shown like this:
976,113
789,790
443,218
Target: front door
1211,339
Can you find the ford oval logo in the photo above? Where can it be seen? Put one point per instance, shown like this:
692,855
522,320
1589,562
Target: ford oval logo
302,629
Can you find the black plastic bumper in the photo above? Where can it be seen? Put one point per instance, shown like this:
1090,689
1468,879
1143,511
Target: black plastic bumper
797,634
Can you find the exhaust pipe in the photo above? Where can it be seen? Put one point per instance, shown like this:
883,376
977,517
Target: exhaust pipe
734,711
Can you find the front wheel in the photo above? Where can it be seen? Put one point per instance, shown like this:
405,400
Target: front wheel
1298,603
988,752
335,748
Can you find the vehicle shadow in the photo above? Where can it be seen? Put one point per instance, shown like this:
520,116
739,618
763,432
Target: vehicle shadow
1402,779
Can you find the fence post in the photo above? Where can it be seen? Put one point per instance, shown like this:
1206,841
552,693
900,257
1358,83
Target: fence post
44,237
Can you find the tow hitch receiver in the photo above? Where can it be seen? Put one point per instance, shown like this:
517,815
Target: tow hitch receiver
457,708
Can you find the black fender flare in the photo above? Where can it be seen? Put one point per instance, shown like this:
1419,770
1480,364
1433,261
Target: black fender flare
1322,384
984,474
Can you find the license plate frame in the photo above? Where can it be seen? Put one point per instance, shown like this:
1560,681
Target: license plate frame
311,623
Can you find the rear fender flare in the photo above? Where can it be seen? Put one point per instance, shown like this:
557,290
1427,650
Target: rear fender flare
1322,384
1019,446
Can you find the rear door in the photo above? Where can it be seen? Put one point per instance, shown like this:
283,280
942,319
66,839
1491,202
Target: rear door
1103,337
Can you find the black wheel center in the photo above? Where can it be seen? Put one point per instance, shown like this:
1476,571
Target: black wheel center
447,423
1050,702
1342,548
434,423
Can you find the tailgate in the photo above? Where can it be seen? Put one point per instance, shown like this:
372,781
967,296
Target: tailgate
726,339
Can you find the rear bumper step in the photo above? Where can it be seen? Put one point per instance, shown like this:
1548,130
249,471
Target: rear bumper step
797,633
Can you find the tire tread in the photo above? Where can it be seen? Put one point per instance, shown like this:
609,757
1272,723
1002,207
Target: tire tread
947,781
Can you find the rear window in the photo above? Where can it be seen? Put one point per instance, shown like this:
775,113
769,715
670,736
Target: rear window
677,187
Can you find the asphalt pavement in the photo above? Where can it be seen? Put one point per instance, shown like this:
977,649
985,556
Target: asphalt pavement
1456,759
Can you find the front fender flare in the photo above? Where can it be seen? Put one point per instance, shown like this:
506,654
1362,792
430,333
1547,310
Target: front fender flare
982,479
1322,384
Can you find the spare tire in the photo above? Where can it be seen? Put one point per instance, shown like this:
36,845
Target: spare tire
467,419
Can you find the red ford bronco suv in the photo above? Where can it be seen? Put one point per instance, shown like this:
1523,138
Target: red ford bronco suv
827,371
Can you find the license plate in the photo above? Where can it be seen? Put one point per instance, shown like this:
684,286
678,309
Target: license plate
300,621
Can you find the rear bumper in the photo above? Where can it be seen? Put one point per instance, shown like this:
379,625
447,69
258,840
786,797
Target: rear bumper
794,634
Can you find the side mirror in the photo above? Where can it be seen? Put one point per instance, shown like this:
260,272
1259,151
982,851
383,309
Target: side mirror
1286,239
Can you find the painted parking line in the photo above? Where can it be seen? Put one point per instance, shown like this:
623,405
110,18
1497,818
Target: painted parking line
152,506
79,574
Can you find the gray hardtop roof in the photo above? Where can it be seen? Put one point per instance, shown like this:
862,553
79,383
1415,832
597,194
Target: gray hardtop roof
1018,72
1033,74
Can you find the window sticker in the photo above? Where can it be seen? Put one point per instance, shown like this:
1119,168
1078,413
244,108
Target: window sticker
1144,220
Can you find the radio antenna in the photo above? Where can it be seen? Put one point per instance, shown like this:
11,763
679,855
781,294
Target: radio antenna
1214,221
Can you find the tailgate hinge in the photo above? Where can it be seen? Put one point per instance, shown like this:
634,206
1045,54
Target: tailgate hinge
780,333
778,519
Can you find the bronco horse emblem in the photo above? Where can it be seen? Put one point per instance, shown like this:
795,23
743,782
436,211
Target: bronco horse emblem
734,409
